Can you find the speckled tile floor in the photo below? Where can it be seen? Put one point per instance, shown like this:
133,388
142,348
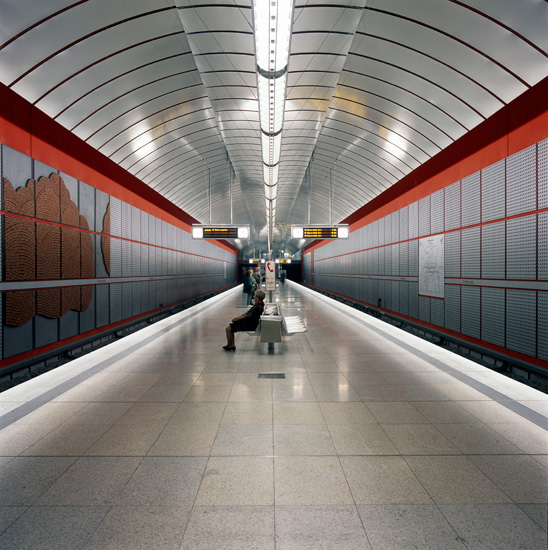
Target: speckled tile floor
374,440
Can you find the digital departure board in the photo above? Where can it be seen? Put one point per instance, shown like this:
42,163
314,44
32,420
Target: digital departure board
320,233
220,232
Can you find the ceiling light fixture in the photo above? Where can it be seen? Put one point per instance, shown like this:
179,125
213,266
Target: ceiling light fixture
273,20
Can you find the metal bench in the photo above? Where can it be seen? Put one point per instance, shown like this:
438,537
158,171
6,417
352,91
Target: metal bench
273,325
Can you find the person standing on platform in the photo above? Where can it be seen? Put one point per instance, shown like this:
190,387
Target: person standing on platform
249,286
257,277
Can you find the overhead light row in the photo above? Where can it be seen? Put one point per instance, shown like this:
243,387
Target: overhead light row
273,20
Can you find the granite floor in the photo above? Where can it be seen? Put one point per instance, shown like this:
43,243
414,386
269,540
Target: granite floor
374,440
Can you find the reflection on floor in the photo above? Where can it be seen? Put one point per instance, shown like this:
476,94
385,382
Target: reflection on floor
374,440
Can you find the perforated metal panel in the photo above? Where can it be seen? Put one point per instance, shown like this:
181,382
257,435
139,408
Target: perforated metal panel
493,192
493,251
115,217
414,258
452,206
542,317
388,228
522,181
127,225
437,211
395,298
424,308
493,309
543,174
396,259
388,260
127,268
521,326
414,299
543,246
470,252
521,256
382,239
470,200
437,312
404,223
404,298
413,220
115,303
404,259
424,216
471,310
452,254
395,237
136,259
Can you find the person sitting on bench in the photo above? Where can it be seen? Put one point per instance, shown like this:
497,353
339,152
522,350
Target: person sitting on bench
247,321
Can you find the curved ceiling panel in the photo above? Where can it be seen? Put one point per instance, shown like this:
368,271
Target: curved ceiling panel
169,92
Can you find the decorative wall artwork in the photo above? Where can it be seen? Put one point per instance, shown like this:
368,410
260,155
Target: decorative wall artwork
38,250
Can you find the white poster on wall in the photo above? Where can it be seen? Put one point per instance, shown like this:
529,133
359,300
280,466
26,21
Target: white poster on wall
432,266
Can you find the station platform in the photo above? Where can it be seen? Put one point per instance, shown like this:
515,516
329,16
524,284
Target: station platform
374,440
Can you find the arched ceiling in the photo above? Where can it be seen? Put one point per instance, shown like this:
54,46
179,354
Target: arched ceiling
167,90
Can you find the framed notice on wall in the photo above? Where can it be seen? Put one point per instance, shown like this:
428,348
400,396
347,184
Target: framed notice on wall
432,266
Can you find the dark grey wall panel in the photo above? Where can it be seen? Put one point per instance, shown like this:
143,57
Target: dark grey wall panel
452,254
522,181
471,310
87,208
493,315
424,308
493,192
395,298
404,298
452,206
46,331
543,246
543,174
388,261
126,220
127,300
102,310
543,325
18,339
115,303
69,325
396,259
470,252
470,200
493,251
126,258
115,217
424,217
437,312
437,211
521,326
521,257
414,300
101,204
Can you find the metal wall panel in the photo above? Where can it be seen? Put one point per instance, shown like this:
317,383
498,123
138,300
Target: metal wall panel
404,223
452,206
437,312
127,267
413,258
493,251
543,246
470,253
543,325
521,326
388,228
543,174
115,302
424,308
127,300
102,310
126,220
470,200
414,300
380,225
437,212
404,259
115,257
424,216
395,227
396,259
521,254
388,251
395,298
471,311
522,182
493,309
452,254
413,220
115,217
404,298
493,192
